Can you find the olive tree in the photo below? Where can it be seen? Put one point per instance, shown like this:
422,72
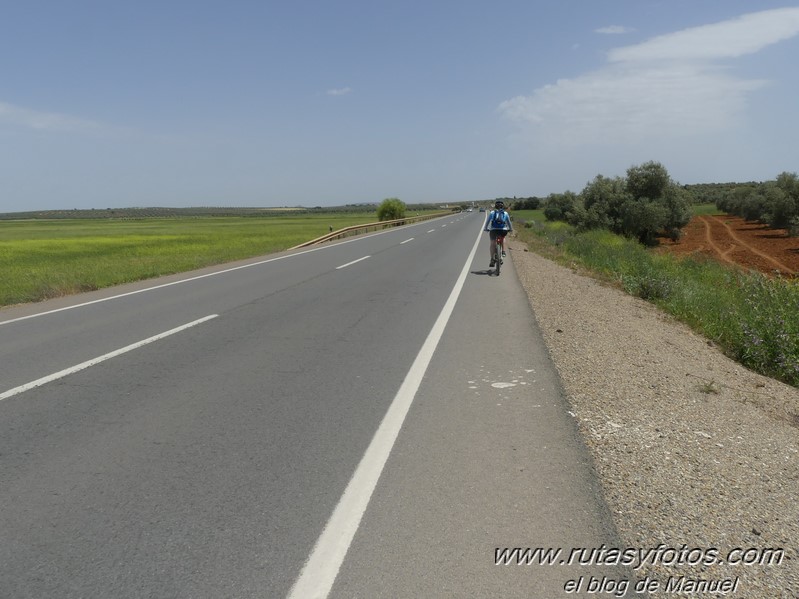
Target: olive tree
656,204
603,199
644,204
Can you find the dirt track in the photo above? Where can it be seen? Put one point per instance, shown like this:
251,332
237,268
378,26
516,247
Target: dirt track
732,240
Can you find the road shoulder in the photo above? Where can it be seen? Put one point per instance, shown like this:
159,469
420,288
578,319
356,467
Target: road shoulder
691,448
489,457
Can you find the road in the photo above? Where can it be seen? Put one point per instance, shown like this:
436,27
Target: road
373,418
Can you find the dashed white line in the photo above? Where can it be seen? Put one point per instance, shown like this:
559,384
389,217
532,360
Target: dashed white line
351,263
103,358
431,231
406,241
194,278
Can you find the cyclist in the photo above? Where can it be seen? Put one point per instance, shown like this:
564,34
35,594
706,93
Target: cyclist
497,224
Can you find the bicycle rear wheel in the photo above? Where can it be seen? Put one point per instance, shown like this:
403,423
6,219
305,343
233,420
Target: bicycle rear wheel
498,256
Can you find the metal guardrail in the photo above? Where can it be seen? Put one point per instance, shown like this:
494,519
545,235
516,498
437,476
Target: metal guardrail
358,229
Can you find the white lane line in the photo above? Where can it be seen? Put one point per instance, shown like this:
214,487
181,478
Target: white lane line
195,278
406,241
320,571
103,358
351,263
431,230
154,287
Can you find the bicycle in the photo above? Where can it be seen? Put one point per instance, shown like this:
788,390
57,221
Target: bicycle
499,249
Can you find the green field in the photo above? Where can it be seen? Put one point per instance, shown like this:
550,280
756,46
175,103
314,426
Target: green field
705,209
41,259
527,216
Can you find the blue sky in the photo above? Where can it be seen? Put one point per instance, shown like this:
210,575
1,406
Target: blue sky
110,103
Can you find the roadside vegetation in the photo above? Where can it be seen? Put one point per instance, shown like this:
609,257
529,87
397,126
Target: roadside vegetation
753,318
391,209
647,196
609,227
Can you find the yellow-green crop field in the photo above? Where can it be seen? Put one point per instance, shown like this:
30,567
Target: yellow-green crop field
41,259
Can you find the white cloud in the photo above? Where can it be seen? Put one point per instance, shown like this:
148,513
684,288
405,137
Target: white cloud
669,86
43,121
339,92
614,30
620,104
728,39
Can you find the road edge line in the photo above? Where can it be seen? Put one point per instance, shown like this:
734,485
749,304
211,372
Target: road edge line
323,565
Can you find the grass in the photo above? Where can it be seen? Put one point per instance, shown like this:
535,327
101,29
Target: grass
705,209
527,216
755,319
40,259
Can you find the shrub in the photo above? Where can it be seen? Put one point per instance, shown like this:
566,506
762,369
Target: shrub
560,205
650,286
768,333
752,317
391,209
781,208
644,205
531,203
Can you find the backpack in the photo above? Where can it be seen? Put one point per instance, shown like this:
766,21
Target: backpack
498,219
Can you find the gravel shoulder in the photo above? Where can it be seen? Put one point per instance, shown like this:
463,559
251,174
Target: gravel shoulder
692,450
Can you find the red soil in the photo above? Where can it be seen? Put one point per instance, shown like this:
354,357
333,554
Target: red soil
732,240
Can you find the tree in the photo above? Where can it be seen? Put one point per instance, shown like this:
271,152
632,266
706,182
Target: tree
658,205
751,207
531,203
643,219
775,203
391,209
644,205
603,199
560,205
785,210
789,183
649,180
779,208
677,202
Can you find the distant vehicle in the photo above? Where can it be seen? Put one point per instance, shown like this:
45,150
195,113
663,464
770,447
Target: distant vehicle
468,209
482,209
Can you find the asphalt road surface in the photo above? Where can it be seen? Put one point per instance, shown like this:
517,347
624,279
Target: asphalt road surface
373,418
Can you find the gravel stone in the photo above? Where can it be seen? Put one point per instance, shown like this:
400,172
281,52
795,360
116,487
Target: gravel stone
691,448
